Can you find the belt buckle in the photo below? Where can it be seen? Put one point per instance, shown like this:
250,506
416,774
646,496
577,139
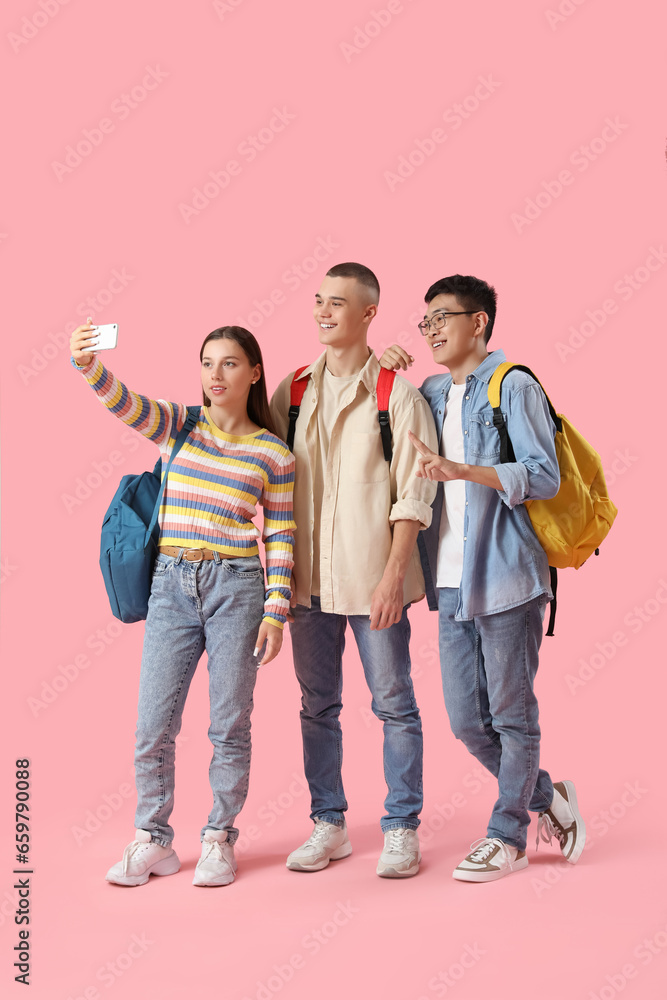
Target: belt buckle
197,555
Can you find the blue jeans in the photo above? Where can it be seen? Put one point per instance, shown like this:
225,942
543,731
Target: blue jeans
318,641
488,668
215,605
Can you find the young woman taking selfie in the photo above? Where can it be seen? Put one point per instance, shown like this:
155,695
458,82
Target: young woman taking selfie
207,590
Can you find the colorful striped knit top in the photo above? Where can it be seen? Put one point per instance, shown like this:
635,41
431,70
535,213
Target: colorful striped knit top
215,484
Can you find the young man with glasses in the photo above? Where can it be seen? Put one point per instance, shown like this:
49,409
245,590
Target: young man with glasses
486,572
358,517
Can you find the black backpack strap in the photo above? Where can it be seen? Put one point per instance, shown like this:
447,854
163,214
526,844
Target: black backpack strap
553,573
297,392
507,451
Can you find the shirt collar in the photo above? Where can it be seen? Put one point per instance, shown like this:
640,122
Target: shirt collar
368,374
484,371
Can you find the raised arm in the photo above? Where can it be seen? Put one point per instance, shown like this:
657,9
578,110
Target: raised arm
156,420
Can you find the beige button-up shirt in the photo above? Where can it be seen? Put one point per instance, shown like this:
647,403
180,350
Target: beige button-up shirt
363,493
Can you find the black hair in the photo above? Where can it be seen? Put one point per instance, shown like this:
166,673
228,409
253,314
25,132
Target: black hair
471,293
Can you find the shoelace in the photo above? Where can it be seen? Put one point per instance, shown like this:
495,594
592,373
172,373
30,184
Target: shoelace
130,851
397,839
546,829
320,832
486,846
215,848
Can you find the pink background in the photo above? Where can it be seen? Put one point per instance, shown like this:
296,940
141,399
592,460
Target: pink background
353,100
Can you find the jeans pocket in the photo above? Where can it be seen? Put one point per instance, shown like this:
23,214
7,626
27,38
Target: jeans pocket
248,567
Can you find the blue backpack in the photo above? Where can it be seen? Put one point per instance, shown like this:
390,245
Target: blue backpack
130,535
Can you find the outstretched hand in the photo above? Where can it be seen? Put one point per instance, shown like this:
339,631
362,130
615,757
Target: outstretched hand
82,342
433,466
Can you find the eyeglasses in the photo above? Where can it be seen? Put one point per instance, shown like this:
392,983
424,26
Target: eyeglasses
439,319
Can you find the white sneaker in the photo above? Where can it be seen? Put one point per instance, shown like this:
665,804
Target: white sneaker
563,821
217,864
141,858
401,855
490,859
326,843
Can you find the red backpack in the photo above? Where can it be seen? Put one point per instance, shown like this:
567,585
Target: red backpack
384,386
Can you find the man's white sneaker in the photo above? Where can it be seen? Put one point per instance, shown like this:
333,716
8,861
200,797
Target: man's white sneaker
217,864
401,855
563,821
490,859
141,858
326,843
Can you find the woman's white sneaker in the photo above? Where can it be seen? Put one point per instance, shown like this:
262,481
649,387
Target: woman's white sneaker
217,864
401,855
141,859
326,843
489,859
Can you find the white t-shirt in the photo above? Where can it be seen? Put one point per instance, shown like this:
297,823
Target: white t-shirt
332,390
450,549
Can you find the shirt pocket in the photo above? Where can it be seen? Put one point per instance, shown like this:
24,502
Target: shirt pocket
365,458
484,440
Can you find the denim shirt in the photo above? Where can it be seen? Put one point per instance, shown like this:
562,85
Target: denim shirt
504,565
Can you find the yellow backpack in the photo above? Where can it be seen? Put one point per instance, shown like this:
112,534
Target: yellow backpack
571,525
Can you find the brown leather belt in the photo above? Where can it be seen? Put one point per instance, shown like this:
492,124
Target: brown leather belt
191,555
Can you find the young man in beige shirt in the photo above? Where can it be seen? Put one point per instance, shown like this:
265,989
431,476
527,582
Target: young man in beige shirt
358,517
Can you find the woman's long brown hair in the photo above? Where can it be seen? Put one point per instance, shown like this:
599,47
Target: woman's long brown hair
258,403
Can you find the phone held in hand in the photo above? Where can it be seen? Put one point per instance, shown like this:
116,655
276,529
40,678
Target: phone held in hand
107,336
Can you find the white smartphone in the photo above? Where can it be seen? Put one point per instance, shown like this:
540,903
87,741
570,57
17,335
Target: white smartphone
107,336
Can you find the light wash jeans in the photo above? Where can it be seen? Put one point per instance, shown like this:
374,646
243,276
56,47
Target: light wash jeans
215,605
488,668
318,641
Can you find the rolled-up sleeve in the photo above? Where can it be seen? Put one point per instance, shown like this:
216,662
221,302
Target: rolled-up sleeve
413,497
534,475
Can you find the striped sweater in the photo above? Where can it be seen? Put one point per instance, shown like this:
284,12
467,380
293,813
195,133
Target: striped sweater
215,484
